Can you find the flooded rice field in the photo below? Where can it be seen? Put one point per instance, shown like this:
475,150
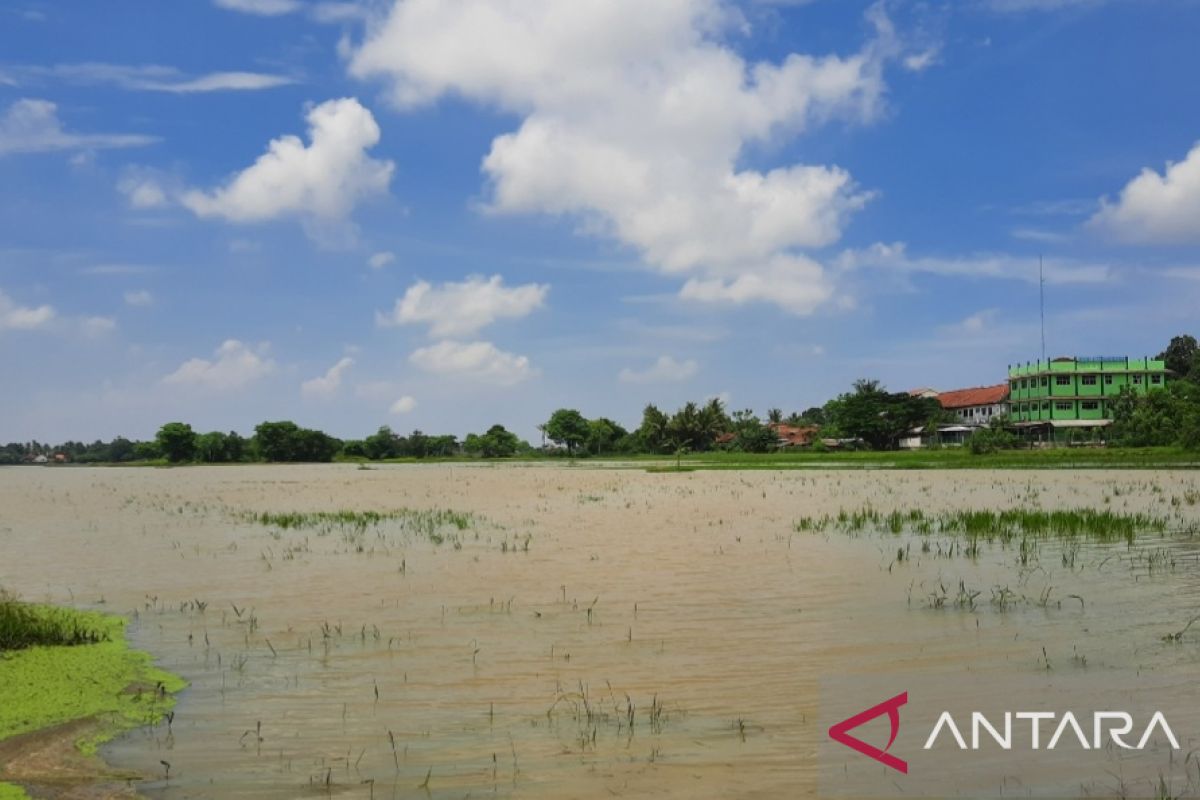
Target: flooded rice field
558,632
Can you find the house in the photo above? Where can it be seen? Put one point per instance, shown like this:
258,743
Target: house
972,409
794,435
976,407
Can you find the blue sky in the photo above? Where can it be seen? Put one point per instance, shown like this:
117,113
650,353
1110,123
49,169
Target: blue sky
441,214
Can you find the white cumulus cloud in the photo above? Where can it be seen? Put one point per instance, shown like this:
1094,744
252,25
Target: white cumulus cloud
32,126
381,259
263,8
482,361
139,297
404,405
15,317
95,327
155,78
664,370
1157,208
233,366
142,192
323,180
459,309
327,384
635,116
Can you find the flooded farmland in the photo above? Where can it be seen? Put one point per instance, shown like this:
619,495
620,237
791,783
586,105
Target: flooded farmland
567,632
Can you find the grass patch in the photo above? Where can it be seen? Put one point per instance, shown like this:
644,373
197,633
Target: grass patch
23,625
43,685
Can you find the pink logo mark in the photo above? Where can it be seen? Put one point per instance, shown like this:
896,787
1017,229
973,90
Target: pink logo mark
841,732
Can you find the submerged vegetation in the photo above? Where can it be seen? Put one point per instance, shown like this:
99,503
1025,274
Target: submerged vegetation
438,525
1004,526
423,520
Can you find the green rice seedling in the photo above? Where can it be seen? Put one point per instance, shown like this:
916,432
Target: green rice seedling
1022,526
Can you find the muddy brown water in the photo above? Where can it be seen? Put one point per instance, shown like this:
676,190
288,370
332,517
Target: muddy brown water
383,664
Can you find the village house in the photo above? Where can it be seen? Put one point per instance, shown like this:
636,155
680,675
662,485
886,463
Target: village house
978,406
971,408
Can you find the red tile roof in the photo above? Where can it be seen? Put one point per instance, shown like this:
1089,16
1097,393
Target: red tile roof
796,436
979,396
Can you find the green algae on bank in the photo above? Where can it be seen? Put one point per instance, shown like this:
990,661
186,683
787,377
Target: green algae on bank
11,792
120,688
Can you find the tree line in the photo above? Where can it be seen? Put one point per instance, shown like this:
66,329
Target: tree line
867,416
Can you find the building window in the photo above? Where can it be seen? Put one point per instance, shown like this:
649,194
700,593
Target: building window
1061,406
1046,405
1137,380
1156,379
1024,383
1089,380
1091,405
1062,380
1045,381
1014,386
1108,380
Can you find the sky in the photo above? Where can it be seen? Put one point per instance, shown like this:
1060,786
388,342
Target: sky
444,214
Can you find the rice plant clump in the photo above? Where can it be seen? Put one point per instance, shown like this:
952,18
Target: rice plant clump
1004,526
425,522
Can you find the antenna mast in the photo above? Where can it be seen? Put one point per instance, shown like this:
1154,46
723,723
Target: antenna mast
1042,298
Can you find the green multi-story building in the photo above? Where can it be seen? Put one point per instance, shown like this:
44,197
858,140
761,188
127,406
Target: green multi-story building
1077,389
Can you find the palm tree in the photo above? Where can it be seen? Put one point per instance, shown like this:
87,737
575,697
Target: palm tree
775,415
712,422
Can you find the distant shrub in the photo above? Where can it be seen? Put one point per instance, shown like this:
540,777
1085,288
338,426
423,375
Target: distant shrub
991,440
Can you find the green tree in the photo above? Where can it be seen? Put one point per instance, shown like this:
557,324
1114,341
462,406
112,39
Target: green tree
713,422
654,429
121,449
603,435
212,447
444,445
568,427
775,415
751,435
177,442
1194,373
1180,354
684,428
877,417
354,448
1162,417
498,442
382,444
418,445
313,445
814,416
147,451
275,441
